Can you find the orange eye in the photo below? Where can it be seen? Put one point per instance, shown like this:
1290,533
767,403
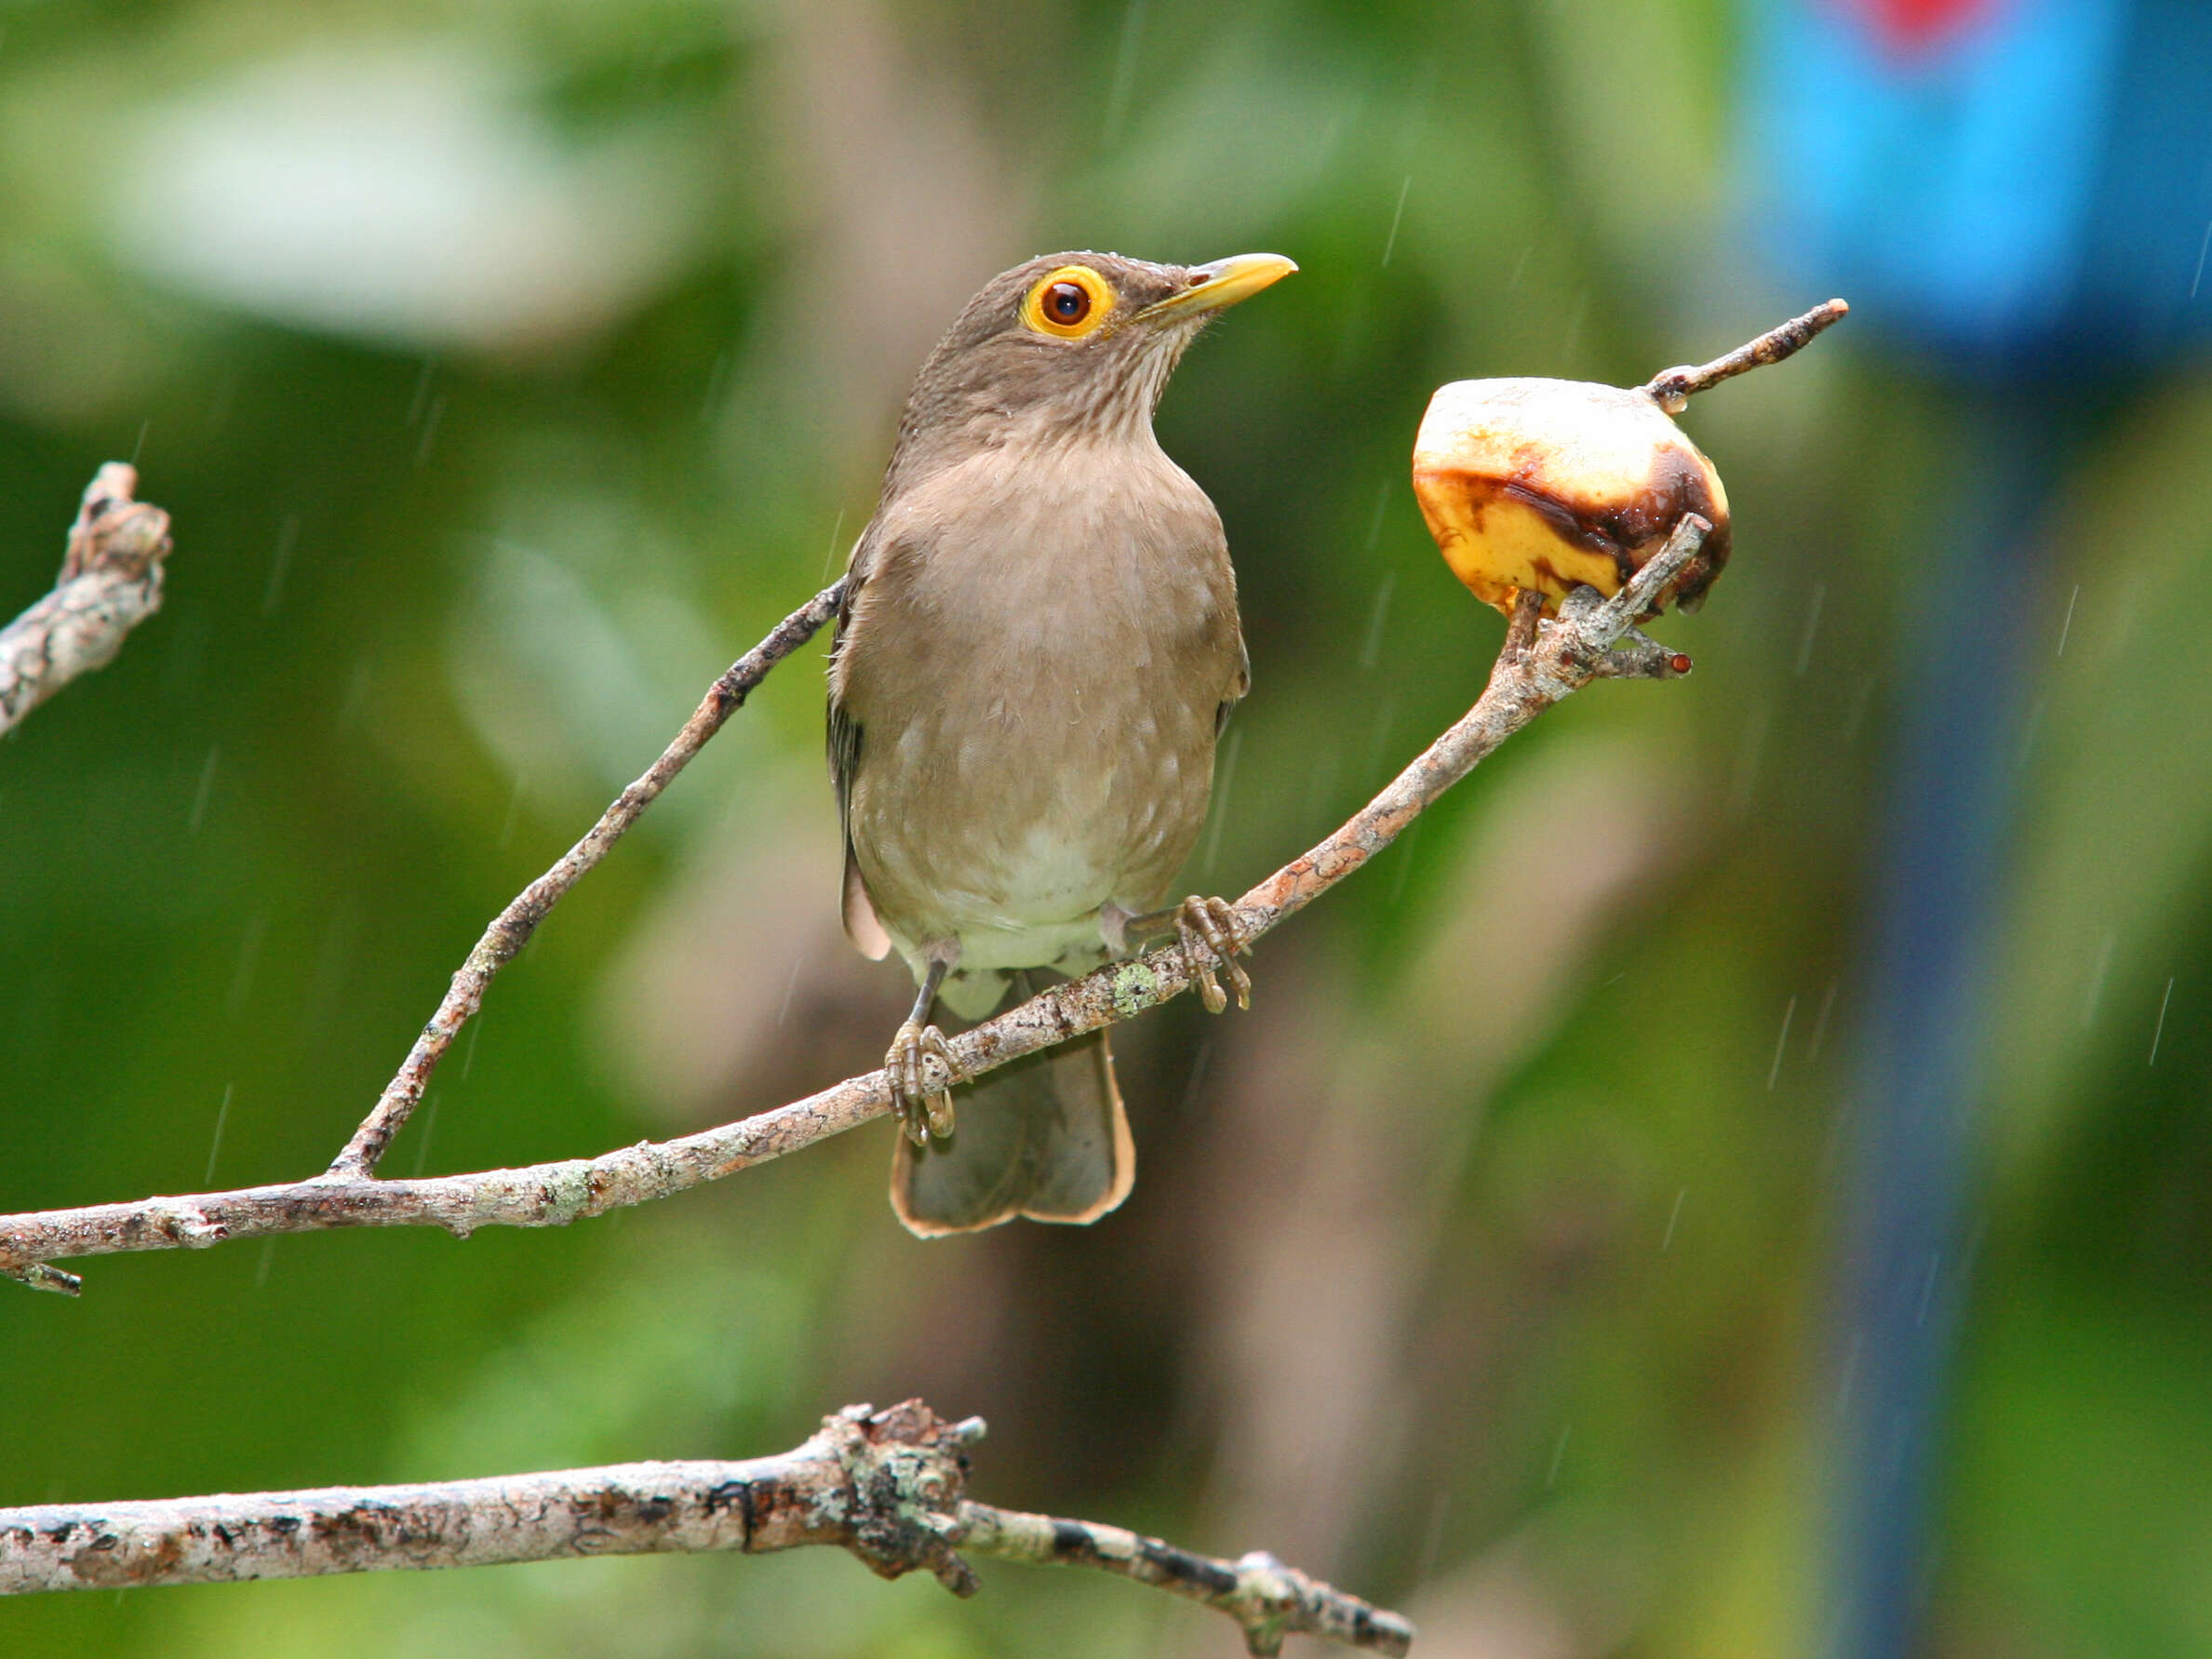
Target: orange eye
1067,303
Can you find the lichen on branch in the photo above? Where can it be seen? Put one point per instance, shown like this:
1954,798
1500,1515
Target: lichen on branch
889,1485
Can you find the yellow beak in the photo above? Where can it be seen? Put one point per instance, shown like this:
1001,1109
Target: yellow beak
1222,283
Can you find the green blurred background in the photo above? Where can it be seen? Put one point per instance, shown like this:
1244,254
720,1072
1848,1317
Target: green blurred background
510,368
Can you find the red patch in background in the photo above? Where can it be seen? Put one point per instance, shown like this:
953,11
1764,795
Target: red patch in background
1912,26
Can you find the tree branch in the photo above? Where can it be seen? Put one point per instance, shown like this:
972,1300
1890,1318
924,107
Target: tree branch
110,583
889,1485
1673,388
1592,638
1267,1599
510,929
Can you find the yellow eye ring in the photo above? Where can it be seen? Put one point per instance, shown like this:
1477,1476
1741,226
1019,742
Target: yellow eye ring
1067,303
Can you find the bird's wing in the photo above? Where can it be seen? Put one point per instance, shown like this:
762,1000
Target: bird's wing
1236,691
860,924
1227,615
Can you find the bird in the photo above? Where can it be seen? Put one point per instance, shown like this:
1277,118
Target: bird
1036,646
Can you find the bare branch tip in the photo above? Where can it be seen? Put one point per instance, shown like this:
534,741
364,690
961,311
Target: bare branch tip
113,529
40,1276
1673,388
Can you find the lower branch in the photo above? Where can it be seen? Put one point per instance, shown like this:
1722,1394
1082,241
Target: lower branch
110,583
1267,1599
1592,638
889,1485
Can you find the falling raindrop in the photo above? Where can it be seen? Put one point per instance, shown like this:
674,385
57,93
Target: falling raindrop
421,397
837,534
1574,322
355,695
1405,861
1374,523
2102,963
790,984
1197,1075
1927,1289
250,956
507,828
1432,1538
1850,1376
1856,717
1125,71
2068,627
199,795
422,1145
280,561
1673,1216
1827,1006
717,378
1397,213
222,1115
2201,246
1224,774
1559,1453
430,425
2159,1030
261,1268
1371,649
1804,644
1781,1042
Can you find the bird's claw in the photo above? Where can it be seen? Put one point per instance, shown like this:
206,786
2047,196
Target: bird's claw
923,1112
1209,926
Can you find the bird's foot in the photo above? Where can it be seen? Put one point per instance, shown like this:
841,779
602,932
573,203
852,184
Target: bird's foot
1209,926
924,1112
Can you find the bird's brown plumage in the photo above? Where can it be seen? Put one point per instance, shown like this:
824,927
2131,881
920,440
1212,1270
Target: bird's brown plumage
1039,643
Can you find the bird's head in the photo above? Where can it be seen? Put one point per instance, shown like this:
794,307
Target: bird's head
1066,347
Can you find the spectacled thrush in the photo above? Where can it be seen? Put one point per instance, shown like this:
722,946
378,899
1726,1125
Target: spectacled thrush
1038,647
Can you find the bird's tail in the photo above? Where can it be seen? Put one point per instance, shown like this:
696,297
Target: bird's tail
1044,1137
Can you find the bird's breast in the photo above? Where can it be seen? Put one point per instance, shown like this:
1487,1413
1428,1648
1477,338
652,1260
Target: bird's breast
1036,664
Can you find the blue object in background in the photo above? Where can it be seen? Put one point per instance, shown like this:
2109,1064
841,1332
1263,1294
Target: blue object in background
2018,187
2019,193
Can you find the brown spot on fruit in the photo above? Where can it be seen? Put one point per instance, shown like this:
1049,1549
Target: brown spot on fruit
1542,486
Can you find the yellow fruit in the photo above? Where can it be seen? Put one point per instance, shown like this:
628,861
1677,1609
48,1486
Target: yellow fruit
1543,485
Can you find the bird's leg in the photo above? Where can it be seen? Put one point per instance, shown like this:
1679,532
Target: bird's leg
922,1113
1208,926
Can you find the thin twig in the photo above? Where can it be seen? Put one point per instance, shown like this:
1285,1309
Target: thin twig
1676,386
110,583
889,1485
1267,1599
1591,640
510,931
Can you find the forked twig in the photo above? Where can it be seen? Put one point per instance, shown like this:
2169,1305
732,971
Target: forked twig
510,929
